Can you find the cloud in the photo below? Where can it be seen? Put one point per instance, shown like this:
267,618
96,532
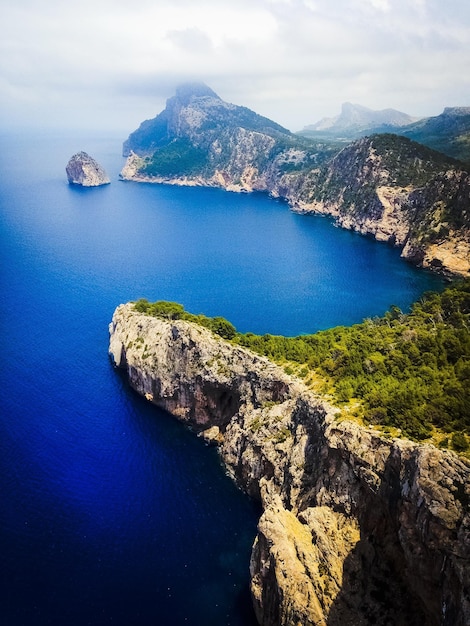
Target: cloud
109,63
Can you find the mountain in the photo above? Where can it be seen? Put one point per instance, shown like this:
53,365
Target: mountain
387,186
196,112
448,132
355,120
200,138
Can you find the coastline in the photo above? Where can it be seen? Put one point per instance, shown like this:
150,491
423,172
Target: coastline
393,507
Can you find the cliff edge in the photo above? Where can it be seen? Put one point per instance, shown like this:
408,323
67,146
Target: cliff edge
356,528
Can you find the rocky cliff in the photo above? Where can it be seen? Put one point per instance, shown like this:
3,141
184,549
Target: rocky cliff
385,186
399,192
356,529
83,170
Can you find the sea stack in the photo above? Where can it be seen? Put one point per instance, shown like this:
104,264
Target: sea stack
83,170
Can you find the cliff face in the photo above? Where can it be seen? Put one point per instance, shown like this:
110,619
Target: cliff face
83,170
397,192
386,186
356,529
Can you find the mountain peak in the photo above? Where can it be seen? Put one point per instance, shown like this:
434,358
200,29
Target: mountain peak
187,91
456,111
355,118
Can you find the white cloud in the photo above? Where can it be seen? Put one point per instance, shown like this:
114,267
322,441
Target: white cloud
108,62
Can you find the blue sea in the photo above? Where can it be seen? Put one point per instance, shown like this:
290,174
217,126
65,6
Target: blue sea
111,511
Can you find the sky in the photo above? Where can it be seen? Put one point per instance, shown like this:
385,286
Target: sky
109,64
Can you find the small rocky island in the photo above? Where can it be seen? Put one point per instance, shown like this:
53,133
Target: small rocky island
83,170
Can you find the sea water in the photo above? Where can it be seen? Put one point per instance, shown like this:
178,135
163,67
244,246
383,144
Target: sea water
111,511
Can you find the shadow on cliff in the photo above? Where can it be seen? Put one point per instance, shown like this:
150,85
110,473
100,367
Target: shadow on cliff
373,592
382,584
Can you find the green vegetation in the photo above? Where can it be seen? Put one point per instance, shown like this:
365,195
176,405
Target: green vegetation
175,311
408,161
409,372
177,158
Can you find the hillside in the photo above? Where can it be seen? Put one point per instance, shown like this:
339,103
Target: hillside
386,186
409,371
448,132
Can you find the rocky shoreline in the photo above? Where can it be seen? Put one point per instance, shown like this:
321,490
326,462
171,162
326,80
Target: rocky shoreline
393,215
385,186
356,528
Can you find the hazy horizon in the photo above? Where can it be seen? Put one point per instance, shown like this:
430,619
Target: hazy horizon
109,66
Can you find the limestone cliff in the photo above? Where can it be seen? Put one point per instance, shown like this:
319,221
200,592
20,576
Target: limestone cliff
83,170
397,192
386,186
356,529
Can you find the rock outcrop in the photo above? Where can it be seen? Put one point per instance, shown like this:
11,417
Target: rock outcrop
356,529
386,186
83,170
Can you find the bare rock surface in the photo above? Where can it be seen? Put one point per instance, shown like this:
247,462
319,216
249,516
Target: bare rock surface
83,170
356,529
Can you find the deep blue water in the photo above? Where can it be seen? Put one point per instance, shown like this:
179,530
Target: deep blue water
111,511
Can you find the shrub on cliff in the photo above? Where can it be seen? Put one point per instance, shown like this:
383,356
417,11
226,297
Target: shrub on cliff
409,371
178,158
175,311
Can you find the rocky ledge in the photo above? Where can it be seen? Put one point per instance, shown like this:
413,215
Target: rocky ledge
83,170
356,529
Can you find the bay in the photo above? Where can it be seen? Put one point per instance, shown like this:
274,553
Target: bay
112,512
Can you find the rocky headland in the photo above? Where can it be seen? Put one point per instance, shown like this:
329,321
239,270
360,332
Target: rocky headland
385,186
83,170
356,528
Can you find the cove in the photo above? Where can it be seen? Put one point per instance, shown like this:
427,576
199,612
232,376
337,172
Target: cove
112,512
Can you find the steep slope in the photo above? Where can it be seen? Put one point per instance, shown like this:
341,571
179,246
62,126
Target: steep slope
197,113
201,140
356,529
448,132
386,186
397,191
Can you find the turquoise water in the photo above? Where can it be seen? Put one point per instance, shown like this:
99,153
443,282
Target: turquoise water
112,512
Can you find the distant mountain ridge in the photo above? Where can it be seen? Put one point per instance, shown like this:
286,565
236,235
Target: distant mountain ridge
448,132
385,185
356,118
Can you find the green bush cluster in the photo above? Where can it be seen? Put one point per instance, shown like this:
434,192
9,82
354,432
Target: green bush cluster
175,311
409,371
177,158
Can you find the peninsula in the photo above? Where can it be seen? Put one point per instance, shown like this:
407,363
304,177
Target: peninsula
357,527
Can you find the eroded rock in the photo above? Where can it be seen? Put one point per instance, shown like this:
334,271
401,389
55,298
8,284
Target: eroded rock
83,170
